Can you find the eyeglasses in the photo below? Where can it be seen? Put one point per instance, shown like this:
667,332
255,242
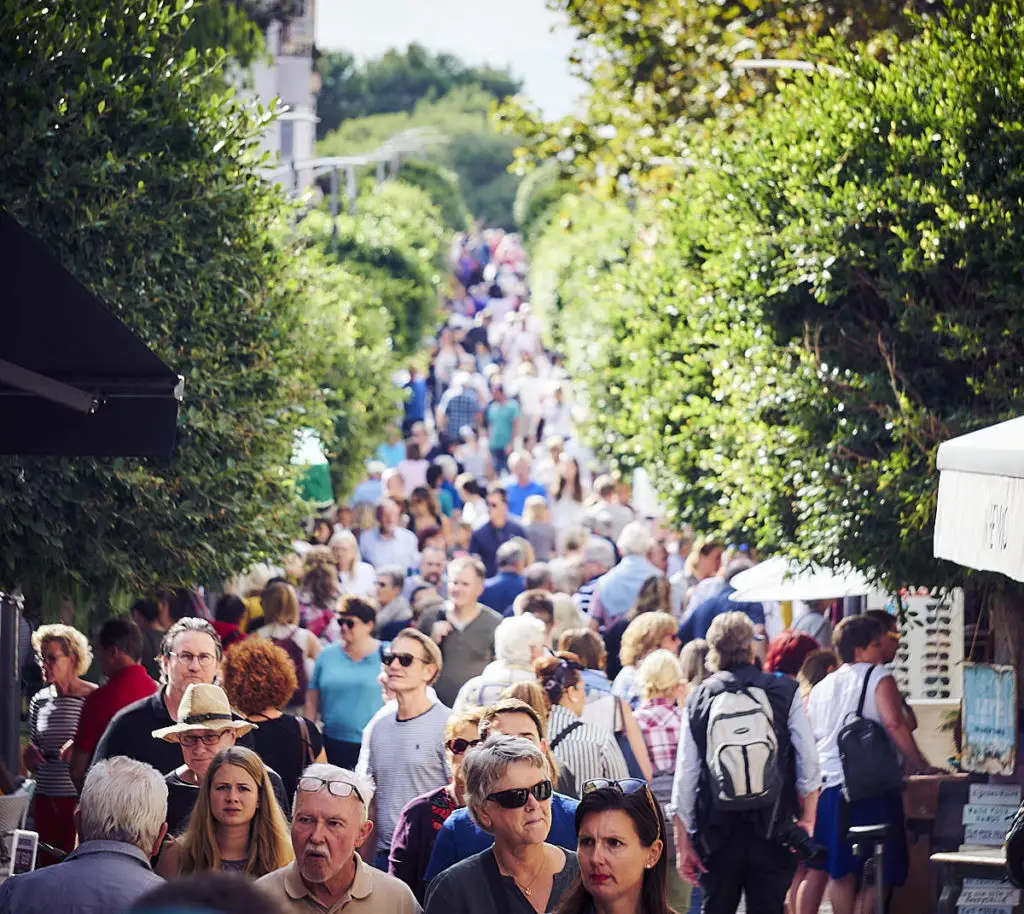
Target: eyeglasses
518,797
389,657
625,786
207,739
347,621
459,746
48,659
186,658
334,788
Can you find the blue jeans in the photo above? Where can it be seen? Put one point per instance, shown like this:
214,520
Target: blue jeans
696,900
499,460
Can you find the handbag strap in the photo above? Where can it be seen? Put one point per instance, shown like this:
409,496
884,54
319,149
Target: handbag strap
307,747
575,725
864,690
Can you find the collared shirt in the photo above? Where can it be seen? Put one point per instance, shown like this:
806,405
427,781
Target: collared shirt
587,751
688,764
501,591
488,538
660,720
371,891
460,407
126,686
486,689
399,549
96,878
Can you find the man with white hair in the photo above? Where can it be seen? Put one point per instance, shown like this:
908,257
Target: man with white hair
618,589
121,820
459,406
330,821
518,641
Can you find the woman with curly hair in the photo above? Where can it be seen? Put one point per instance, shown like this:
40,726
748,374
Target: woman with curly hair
318,594
644,635
259,679
64,655
237,823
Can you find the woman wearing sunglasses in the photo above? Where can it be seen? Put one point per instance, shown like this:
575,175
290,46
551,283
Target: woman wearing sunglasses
422,818
343,690
622,859
508,792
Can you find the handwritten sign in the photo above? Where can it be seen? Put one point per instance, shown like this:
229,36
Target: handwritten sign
990,718
973,814
985,909
988,892
993,835
994,794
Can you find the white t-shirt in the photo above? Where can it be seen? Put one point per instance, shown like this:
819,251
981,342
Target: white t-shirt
833,703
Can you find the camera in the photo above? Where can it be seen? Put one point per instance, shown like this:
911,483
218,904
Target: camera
792,836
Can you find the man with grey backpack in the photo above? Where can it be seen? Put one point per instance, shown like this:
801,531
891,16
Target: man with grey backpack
746,780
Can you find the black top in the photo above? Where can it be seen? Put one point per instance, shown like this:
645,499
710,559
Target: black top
612,646
151,641
279,743
475,884
130,733
182,796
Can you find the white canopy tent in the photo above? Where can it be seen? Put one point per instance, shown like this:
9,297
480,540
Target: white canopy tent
980,518
781,579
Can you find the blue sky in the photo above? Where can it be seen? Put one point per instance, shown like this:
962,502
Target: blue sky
517,33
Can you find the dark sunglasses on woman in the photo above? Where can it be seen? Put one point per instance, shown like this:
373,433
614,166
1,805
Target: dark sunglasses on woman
625,786
458,746
518,797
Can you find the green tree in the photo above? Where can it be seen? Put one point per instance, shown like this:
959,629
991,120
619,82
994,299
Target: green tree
396,82
443,188
148,189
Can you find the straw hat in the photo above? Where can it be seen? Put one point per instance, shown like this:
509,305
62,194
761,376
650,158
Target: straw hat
203,707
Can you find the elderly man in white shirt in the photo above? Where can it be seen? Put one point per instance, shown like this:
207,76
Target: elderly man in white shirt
518,641
389,544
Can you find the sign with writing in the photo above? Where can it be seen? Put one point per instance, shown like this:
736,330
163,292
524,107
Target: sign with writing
994,794
985,834
998,893
974,814
990,718
985,909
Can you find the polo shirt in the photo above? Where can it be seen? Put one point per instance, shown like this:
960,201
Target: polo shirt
125,687
130,733
501,591
488,538
460,837
372,892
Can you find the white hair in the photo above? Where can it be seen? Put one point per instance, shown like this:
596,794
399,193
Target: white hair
123,800
635,539
331,774
516,637
448,466
345,536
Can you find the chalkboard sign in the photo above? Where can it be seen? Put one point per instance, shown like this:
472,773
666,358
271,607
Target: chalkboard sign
990,719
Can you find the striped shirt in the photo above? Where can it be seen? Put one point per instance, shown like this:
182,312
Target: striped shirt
587,751
53,720
660,720
405,758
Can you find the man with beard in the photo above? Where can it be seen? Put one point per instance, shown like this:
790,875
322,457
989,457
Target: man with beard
330,820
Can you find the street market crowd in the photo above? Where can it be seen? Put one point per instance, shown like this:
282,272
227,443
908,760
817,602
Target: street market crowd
486,681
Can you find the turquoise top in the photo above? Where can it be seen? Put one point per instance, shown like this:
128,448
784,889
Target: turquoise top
349,691
501,419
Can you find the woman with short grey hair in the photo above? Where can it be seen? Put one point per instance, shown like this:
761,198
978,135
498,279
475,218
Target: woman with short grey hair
508,792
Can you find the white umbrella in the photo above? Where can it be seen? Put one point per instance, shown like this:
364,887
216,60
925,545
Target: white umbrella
786,579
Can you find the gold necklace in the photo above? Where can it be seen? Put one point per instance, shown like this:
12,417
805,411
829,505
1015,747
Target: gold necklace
525,889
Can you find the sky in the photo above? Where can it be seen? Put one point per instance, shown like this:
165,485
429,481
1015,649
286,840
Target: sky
514,33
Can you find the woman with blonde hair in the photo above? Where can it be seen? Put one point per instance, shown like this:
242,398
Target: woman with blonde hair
644,635
281,614
356,577
693,660
64,655
237,823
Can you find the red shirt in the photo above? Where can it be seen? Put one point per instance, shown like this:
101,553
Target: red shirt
125,686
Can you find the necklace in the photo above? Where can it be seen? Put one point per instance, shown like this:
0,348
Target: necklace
525,888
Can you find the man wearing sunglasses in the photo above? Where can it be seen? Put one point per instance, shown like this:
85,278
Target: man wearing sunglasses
330,820
403,750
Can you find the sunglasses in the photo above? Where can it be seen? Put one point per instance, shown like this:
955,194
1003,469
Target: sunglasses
347,621
624,786
518,797
459,746
936,680
335,788
389,657
937,693
936,655
208,739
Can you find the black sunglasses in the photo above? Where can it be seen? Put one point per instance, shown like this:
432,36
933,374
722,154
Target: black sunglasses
518,797
347,621
389,657
458,746
625,786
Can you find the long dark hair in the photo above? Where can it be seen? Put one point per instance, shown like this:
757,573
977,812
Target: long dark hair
577,486
645,811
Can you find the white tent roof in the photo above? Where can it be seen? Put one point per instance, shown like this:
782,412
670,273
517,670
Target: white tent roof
786,579
979,522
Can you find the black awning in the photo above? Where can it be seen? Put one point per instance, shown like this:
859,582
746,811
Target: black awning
74,380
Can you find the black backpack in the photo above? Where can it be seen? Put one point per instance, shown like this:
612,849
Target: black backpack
871,765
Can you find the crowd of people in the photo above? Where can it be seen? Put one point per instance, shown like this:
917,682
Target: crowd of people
484,679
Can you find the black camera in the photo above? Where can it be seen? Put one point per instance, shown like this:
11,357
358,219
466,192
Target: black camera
792,836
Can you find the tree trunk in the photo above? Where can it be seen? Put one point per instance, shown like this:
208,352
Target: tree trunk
1006,630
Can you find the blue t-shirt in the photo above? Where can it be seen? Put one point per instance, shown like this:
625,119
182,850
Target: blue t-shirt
501,418
460,837
416,405
699,621
391,454
349,691
518,494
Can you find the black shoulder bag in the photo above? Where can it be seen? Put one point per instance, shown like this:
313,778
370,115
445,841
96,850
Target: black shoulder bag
871,765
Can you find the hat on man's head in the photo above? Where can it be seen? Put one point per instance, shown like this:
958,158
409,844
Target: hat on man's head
203,707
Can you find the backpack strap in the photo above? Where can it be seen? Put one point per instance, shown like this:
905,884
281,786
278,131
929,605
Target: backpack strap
575,725
864,690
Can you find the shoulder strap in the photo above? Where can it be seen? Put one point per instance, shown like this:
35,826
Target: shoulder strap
864,690
307,748
575,725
